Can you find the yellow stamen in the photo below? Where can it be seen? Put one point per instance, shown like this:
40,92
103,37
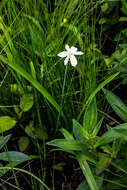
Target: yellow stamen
70,53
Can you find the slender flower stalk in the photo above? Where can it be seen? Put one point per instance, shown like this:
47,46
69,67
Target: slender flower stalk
70,55
62,99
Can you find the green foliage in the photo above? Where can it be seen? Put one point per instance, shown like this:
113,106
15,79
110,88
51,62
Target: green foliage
26,102
124,7
23,143
104,162
84,185
6,123
4,140
13,156
87,172
59,166
117,105
90,117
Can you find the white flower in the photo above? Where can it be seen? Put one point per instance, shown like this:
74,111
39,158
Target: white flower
70,55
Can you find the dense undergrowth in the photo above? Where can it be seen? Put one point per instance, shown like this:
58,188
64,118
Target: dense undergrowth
80,110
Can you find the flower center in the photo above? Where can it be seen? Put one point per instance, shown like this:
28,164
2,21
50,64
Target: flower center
70,53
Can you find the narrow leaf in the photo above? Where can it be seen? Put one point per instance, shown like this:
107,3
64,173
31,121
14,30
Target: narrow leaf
67,144
90,117
117,105
87,172
119,131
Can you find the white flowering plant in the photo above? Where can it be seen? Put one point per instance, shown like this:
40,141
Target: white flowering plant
70,55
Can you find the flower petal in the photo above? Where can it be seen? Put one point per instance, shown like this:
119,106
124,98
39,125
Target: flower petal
67,47
66,60
73,49
78,53
63,54
73,60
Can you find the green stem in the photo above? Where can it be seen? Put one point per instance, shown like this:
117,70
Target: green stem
62,100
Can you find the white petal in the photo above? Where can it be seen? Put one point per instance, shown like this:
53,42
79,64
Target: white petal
78,53
67,47
63,54
66,60
73,49
73,60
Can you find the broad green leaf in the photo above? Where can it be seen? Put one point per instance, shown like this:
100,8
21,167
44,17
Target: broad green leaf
13,156
23,143
90,117
117,105
6,123
26,102
104,162
87,172
4,140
